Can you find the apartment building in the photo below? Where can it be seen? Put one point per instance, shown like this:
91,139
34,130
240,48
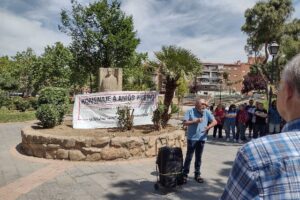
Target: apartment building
212,80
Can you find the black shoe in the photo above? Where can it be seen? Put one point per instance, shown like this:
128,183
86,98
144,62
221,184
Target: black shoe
199,179
184,179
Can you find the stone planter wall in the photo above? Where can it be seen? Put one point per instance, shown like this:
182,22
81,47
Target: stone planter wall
95,148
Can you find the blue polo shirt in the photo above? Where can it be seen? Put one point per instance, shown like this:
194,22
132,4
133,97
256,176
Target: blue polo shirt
196,131
274,116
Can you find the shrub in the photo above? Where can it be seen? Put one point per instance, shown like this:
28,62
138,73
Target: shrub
53,95
33,101
125,118
10,104
48,115
4,98
21,104
157,118
58,97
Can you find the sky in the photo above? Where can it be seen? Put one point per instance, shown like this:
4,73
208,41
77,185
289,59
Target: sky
211,29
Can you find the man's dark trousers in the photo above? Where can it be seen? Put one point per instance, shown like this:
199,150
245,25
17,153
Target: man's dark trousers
197,147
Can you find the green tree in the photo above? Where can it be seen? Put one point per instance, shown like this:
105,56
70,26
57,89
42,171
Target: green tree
173,62
23,70
182,88
290,43
53,68
225,76
4,63
102,36
138,74
265,23
7,81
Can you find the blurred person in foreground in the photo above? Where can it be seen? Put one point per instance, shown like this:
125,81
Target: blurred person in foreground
269,167
196,119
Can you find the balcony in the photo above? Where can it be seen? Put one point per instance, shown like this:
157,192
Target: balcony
204,81
205,73
209,88
215,74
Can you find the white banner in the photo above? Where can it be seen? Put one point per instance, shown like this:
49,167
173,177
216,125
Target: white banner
98,110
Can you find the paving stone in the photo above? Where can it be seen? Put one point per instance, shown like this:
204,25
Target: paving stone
130,179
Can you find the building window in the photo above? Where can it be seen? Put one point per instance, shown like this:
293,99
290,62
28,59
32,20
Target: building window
215,74
205,74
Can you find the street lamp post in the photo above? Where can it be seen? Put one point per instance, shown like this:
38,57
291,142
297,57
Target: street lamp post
273,50
220,97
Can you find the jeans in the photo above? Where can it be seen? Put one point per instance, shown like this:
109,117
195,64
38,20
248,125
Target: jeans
218,128
259,129
197,147
250,125
241,132
230,125
274,128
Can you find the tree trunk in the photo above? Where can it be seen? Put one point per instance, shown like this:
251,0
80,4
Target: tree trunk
270,97
169,94
91,83
266,53
263,69
267,92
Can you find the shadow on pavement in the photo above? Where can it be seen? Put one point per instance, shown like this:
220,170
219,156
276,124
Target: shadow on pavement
144,189
20,150
154,173
226,171
221,142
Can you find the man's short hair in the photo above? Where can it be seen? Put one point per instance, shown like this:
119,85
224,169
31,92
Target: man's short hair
201,101
291,73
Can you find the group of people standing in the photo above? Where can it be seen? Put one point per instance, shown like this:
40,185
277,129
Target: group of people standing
235,120
264,168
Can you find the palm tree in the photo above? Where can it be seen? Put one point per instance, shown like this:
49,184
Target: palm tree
173,62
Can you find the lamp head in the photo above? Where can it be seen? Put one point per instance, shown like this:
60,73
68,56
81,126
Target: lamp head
273,48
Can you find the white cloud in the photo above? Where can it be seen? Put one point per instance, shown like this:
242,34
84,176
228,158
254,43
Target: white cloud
216,49
236,6
209,28
212,37
18,33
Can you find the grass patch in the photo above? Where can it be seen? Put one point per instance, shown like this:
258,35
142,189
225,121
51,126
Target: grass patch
16,116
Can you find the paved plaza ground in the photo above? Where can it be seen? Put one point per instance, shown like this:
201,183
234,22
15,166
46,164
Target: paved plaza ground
28,178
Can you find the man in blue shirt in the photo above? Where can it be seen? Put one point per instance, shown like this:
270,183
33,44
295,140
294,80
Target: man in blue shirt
197,119
269,167
274,119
